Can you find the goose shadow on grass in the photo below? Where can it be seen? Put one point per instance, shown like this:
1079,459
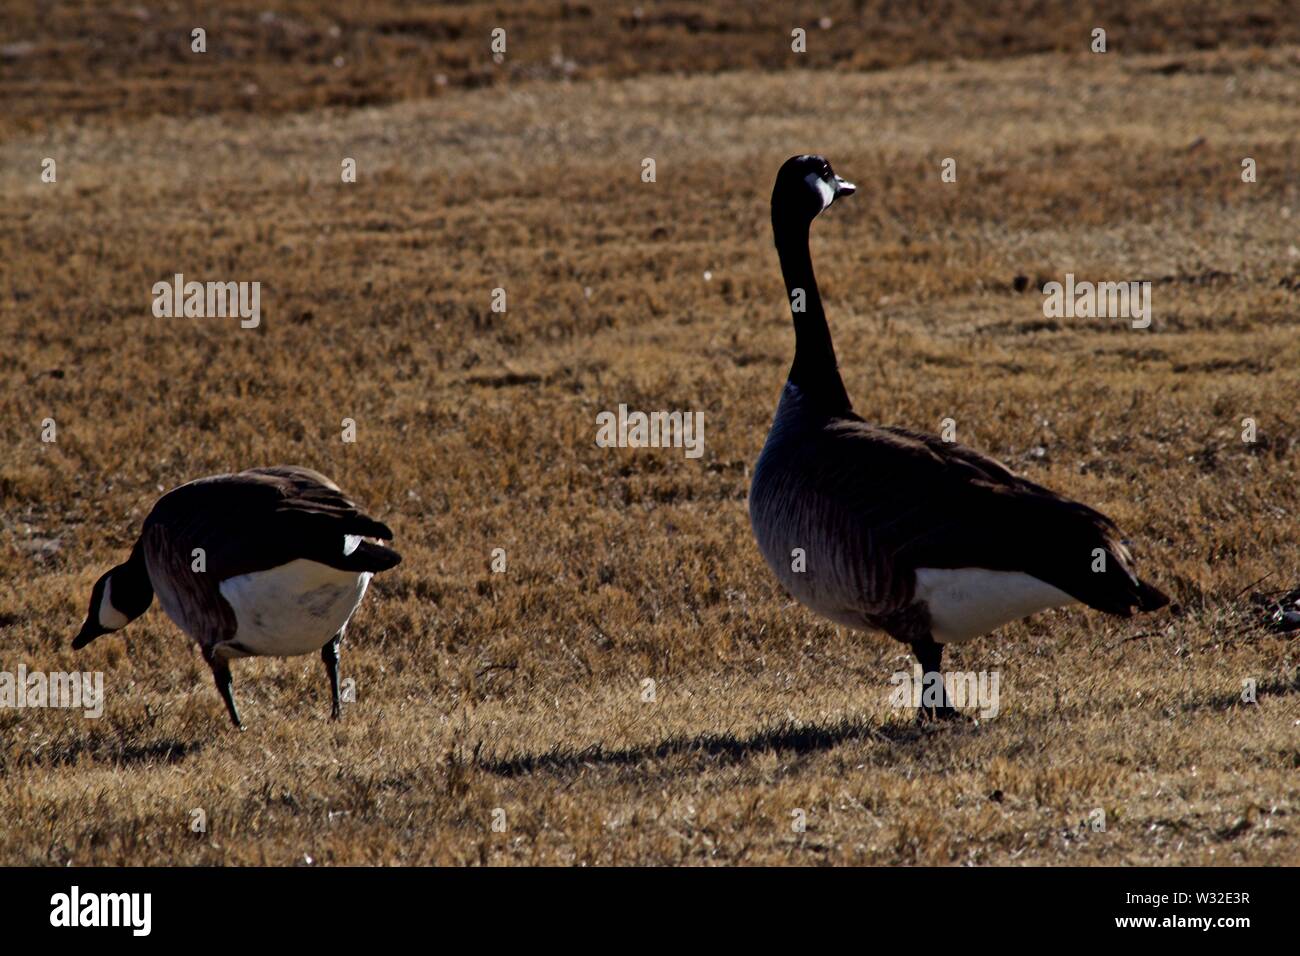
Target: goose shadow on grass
726,747
1264,689
115,753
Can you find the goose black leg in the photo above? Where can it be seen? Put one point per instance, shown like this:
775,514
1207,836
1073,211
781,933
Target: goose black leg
929,654
330,655
225,685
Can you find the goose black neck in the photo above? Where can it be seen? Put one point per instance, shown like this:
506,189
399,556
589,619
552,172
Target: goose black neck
815,371
132,588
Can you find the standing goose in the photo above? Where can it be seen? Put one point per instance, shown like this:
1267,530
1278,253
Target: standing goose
270,561
902,532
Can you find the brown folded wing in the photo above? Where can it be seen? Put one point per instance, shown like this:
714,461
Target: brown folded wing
261,519
917,501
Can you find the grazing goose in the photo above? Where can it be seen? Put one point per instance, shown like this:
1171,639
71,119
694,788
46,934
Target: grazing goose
284,565
900,531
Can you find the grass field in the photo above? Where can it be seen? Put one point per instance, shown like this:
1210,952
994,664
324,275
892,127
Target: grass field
523,691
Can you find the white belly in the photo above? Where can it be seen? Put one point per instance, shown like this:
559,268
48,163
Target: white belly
293,609
967,602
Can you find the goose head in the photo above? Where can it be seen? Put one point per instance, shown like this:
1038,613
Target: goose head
118,598
804,187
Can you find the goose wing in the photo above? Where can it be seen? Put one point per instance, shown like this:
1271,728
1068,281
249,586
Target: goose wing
921,502
265,517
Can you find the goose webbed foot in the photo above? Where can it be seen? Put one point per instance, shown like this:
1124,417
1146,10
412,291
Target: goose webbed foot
934,716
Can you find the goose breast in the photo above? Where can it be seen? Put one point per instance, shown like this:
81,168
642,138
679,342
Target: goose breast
811,542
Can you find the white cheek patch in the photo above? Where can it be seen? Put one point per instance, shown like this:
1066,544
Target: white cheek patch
109,616
822,186
350,543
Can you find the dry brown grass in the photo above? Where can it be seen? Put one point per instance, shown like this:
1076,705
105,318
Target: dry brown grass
522,690
125,59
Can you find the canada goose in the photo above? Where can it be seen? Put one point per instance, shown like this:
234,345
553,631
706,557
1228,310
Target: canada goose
900,531
270,561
